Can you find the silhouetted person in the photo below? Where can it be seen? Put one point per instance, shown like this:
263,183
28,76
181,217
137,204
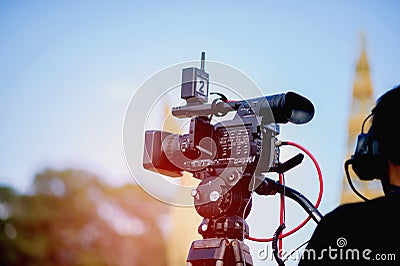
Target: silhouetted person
367,232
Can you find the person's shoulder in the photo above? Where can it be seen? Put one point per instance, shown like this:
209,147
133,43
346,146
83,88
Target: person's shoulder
347,209
359,210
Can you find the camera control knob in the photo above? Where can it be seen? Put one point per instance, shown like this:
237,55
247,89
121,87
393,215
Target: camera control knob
195,194
214,196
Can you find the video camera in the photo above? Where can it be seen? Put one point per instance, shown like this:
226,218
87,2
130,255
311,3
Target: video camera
229,157
240,143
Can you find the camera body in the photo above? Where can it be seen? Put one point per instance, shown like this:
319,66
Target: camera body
236,143
231,149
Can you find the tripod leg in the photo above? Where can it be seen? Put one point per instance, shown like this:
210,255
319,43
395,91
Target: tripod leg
207,252
241,253
219,252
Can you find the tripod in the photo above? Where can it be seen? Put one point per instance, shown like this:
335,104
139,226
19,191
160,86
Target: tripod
222,244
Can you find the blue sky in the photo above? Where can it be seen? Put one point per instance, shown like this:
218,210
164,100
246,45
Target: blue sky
69,68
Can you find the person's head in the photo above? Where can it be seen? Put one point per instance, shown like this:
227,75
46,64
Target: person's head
385,123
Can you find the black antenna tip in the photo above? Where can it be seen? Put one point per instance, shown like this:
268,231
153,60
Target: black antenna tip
203,58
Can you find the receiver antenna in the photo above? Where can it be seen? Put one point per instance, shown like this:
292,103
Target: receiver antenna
203,59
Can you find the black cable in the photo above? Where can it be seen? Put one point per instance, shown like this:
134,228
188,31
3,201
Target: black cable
346,167
365,120
299,247
222,97
275,248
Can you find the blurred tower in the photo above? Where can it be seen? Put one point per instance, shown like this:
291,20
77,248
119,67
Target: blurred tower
361,106
184,220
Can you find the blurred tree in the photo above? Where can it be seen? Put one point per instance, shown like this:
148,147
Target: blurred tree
73,219
7,234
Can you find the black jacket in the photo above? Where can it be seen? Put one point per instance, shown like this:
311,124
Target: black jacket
366,233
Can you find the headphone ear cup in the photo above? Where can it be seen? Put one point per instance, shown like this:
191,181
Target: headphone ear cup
367,161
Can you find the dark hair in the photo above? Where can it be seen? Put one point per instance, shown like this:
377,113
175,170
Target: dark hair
385,124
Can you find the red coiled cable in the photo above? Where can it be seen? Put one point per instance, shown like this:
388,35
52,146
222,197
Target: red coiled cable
321,188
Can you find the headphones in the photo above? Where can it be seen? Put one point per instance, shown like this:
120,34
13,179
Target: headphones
367,161
370,158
